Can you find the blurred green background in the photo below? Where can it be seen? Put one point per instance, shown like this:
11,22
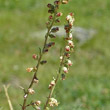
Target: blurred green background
87,86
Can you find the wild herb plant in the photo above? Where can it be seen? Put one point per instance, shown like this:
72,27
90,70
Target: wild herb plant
65,61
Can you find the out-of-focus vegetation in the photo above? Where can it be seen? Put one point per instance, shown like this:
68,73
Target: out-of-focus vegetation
87,86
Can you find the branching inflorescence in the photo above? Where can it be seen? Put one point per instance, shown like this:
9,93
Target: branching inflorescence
65,61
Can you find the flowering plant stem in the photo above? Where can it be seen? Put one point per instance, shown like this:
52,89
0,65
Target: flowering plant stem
38,64
64,63
56,80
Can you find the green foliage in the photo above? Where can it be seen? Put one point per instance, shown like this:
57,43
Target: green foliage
87,86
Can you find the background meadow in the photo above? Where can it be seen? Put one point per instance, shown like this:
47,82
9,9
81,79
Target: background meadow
87,86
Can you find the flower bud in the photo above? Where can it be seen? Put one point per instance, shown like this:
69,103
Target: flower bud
65,1
57,21
29,69
55,29
68,17
65,70
67,31
43,62
61,57
50,17
52,83
36,80
50,44
59,14
53,102
46,50
38,103
50,86
31,91
70,43
25,96
57,2
67,28
63,76
67,55
34,56
71,23
49,5
71,14
70,36
69,63
67,48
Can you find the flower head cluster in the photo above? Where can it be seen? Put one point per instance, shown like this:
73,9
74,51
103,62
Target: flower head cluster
53,102
70,19
53,18
54,15
69,45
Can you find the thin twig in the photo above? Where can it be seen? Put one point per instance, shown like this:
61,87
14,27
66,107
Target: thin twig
8,99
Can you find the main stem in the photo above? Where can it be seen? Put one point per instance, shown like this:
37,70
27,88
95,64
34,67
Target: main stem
38,64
